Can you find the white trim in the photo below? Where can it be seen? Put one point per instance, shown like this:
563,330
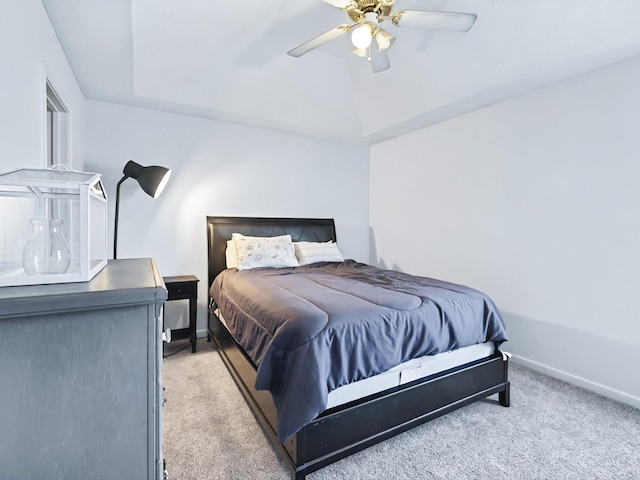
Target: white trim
47,78
579,381
43,114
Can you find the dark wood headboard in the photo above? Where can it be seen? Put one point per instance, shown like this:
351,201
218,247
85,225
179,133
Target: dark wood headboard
220,229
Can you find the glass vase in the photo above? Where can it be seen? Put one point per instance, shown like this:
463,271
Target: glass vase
46,251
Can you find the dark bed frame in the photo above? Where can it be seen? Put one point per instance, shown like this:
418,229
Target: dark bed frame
346,429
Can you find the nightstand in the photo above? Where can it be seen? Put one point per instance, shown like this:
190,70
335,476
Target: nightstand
184,287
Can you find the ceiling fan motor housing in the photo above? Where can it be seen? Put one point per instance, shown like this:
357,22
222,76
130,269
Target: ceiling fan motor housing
380,8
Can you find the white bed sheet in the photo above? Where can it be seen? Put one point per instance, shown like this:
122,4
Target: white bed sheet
408,372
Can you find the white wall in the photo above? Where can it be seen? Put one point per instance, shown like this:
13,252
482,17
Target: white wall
29,53
27,39
534,201
220,169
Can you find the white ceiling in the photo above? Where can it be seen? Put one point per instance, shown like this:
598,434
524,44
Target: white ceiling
227,59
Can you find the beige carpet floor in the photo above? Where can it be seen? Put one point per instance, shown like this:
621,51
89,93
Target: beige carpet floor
551,431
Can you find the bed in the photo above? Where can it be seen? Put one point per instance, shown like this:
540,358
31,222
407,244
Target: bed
351,418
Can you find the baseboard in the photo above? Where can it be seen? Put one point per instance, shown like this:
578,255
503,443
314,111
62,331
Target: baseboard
579,381
202,333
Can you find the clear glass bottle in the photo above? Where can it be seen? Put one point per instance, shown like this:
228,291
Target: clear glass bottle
46,251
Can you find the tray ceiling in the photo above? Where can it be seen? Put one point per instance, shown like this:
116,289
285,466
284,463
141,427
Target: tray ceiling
228,61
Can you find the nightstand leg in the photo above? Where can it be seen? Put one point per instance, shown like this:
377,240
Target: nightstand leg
192,323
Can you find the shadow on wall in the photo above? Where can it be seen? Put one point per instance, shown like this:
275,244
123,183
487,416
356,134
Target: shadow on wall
373,255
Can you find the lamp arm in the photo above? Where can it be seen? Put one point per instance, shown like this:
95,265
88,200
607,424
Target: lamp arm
115,228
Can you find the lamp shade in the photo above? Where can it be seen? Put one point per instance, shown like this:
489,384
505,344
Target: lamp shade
151,179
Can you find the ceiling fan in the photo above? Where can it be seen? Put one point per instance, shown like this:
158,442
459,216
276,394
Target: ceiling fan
370,40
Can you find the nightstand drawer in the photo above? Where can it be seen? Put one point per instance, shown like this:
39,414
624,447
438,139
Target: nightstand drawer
182,290
184,286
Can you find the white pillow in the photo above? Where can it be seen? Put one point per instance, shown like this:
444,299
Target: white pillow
274,252
231,254
313,252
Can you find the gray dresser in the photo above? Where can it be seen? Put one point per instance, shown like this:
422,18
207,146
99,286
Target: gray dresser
80,392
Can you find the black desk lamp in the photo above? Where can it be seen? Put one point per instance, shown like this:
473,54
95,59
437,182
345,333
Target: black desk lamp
152,180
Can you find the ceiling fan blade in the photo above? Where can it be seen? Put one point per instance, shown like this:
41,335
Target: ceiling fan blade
454,22
379,58
319,40
342,4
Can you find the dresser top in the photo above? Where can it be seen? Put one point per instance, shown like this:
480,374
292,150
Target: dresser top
121,282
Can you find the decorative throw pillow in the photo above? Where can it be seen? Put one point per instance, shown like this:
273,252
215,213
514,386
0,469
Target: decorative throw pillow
274,252
313,252
231,254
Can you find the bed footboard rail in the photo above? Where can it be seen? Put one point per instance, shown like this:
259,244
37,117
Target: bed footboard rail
344,431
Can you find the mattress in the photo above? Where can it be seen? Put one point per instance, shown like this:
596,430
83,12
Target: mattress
410,371
406,372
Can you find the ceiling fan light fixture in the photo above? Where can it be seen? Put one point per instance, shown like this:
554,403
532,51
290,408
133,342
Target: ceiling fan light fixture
362,35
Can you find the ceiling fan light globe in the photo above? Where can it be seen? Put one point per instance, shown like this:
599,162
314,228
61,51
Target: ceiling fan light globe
361,52
383,39
361,36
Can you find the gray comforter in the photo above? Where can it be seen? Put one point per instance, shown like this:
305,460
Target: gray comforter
312,329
